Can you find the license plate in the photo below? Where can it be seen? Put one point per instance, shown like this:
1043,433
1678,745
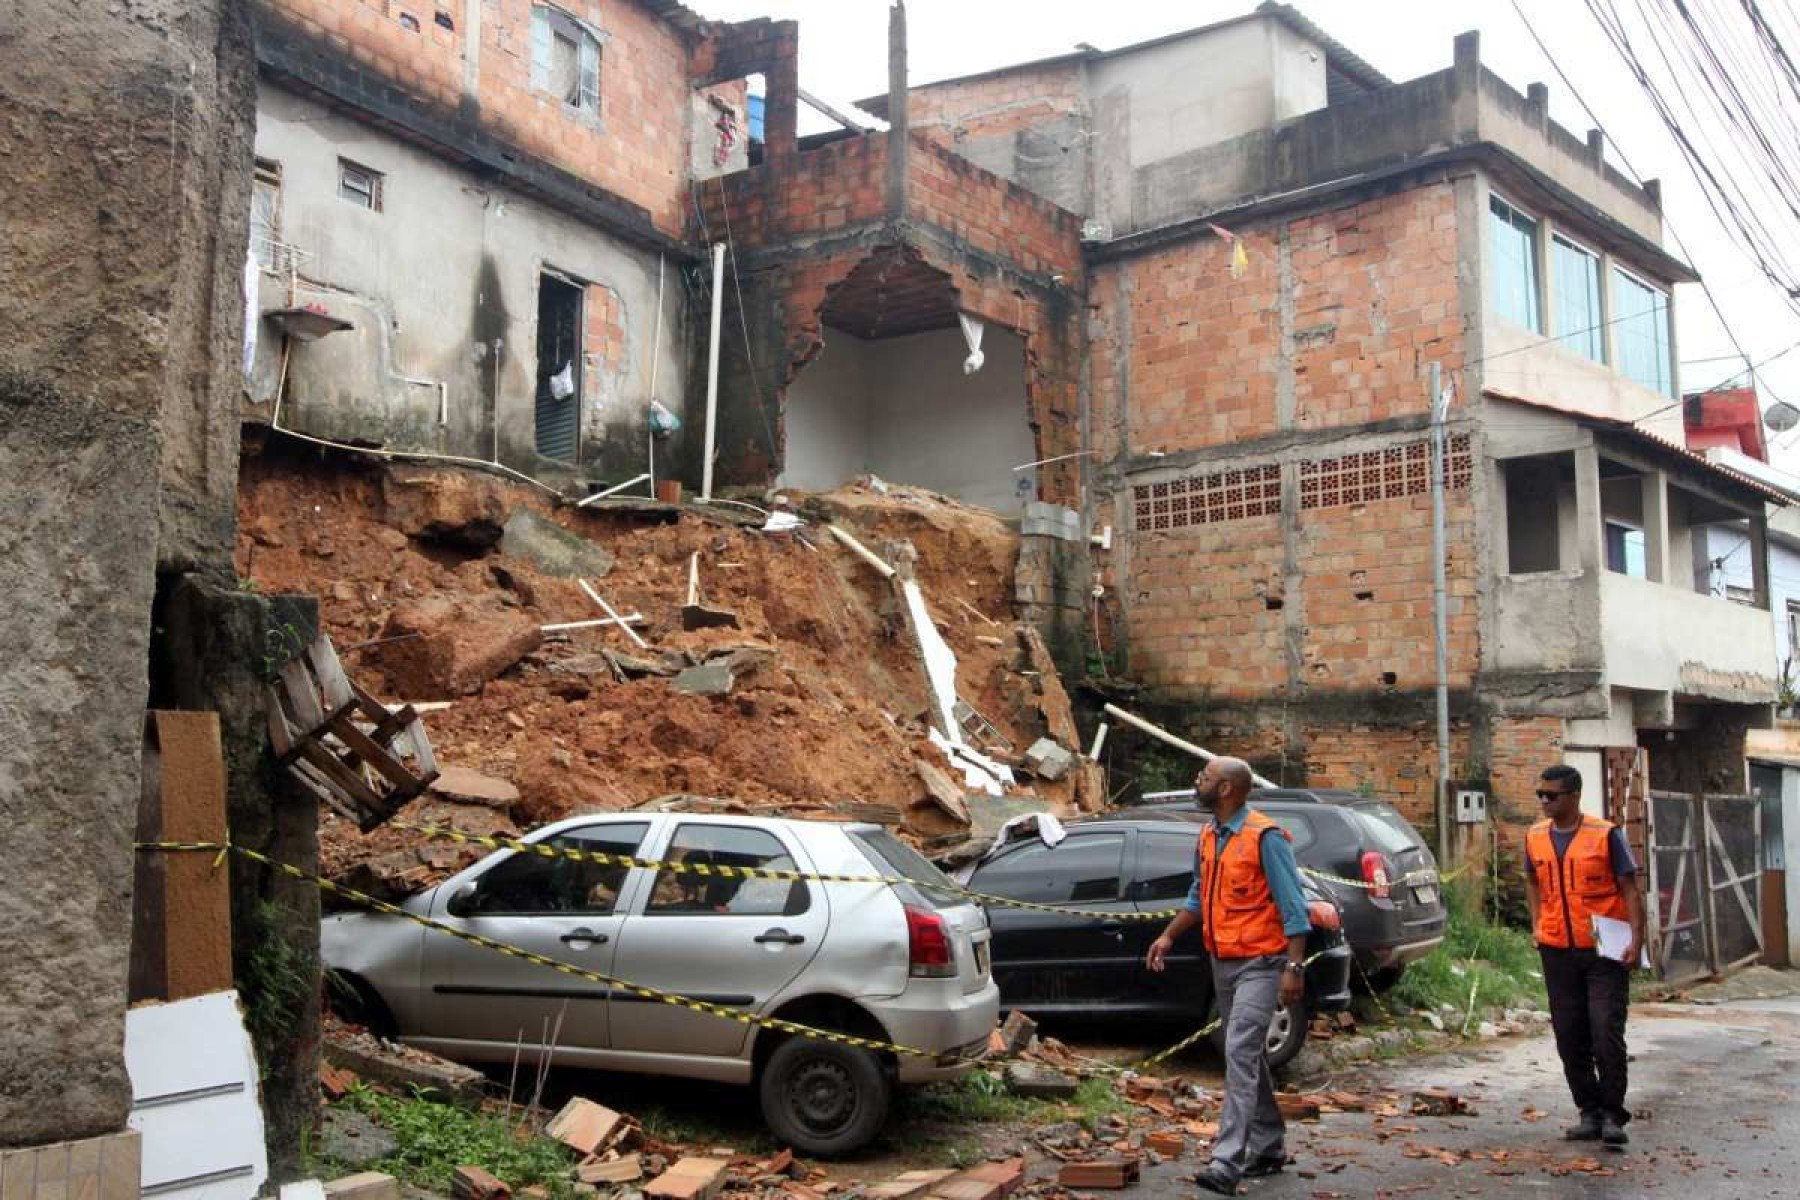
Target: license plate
981,958
1425,895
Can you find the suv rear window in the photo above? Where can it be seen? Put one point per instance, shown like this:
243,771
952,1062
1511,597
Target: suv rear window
891,856
1390,832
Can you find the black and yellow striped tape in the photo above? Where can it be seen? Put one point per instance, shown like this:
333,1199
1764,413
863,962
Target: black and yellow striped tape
722,1011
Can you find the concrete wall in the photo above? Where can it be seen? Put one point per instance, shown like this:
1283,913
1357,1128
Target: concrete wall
1664,639
903,409
122,229
1545,622
448,266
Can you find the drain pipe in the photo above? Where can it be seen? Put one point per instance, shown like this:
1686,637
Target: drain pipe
712,370
1439,402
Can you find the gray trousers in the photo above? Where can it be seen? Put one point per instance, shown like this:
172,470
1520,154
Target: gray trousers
1250,1126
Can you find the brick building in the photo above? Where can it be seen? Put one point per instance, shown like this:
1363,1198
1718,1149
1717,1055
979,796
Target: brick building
1279,245
494,195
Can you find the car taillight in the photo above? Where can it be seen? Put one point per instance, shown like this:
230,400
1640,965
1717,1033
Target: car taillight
928,944
1324,915
1375,873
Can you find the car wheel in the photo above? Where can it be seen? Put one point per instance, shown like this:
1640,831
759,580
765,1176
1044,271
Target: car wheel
822,1098
1287,1033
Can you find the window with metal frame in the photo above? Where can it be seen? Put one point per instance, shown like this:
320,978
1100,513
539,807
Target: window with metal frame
565,58
360,185
1513,282
1641,333
1575,297
528,884
702,846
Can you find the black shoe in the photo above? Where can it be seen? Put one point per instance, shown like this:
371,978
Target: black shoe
1266,1164
1613,1134
1585,1130
1212,1179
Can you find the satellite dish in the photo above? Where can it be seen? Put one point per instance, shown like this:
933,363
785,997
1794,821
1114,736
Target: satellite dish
1781,416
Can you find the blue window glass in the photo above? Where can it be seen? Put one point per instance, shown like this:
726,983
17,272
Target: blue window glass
1641,333
1577,299
1515,275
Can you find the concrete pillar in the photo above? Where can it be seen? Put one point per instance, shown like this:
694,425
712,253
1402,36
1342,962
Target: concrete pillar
1759,559
1656,525
1590,542
1501,532
897,122
123,213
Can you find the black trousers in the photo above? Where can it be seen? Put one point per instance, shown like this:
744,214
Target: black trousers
1588,995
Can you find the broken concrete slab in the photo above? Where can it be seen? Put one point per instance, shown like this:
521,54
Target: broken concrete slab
1017,1032
407,1069
459,508
1047,760
1028,1079
352,1138
365,1185
472,787
712,678
1052,698
942,792
551,548
439,647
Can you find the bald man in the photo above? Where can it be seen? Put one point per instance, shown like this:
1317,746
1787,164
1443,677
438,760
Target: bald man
1247,900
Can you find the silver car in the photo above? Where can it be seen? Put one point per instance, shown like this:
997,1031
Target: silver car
892,962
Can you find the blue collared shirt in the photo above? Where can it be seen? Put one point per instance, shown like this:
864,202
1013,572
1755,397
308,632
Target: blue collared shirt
1279,868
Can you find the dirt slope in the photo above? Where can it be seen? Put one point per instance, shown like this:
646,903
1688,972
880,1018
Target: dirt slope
827,714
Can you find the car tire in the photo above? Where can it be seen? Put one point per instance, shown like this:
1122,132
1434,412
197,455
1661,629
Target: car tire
824,1099
1287,1033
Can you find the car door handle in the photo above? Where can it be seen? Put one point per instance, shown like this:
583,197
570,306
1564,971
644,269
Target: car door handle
1115,928
585,935
780,935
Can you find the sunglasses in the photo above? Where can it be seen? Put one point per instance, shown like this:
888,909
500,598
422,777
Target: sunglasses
1543,795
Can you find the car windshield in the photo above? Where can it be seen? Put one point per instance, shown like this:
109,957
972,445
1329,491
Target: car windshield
1390,832
893,856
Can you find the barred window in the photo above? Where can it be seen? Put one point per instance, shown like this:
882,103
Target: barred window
1387,474
1207,499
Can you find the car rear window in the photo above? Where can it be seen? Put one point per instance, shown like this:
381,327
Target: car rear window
891,856
1387,830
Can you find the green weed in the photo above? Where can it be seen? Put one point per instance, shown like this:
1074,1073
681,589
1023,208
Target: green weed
434,1139
1498,961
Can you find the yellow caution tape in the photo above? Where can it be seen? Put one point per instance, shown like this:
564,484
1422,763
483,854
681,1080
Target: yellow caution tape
647,993
718,870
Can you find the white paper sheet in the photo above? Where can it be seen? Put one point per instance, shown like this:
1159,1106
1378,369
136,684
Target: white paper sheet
1612,938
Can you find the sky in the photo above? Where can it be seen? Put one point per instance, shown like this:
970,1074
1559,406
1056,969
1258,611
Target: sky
843,55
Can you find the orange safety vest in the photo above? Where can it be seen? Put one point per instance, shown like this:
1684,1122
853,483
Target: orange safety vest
1241,918
1584,888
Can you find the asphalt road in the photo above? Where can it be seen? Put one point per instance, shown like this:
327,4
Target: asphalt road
1715,1090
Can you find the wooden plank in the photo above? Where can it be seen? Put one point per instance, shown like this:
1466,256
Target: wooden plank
375,754
279,741
421,744
333,684
302,696
344,780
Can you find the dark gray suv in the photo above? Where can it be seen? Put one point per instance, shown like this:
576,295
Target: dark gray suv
1397,914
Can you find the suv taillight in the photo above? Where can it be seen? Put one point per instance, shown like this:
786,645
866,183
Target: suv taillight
1375,873
928,944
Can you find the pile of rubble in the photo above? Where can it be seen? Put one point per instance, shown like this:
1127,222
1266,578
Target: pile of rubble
571,659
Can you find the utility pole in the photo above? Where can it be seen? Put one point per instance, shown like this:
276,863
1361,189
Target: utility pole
1439,405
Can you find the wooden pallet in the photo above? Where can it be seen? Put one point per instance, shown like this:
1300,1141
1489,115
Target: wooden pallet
344,745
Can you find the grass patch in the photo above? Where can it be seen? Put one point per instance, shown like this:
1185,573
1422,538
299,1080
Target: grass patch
435,1139
981,1096
1499,962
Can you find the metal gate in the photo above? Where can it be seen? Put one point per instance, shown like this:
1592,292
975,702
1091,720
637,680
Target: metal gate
1705,882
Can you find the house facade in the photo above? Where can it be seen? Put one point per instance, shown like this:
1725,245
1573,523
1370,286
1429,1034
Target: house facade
1281,245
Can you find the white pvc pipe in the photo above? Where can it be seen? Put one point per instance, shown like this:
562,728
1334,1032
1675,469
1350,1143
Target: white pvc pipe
617,487
712,370
1099,741
863,552
1163,735
631,619
610,611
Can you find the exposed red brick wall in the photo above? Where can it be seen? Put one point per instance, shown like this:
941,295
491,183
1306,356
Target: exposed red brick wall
996,105
991,214
638,151
603,344
836,186
1374,293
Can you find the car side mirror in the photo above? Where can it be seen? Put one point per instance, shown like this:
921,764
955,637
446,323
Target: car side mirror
462,901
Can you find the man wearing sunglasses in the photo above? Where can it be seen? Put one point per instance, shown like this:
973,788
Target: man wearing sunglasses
1579,868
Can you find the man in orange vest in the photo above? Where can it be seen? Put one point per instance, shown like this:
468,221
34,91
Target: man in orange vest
1578,868
1248,901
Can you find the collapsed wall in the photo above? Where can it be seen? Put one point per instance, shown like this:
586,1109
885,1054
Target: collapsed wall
437,586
